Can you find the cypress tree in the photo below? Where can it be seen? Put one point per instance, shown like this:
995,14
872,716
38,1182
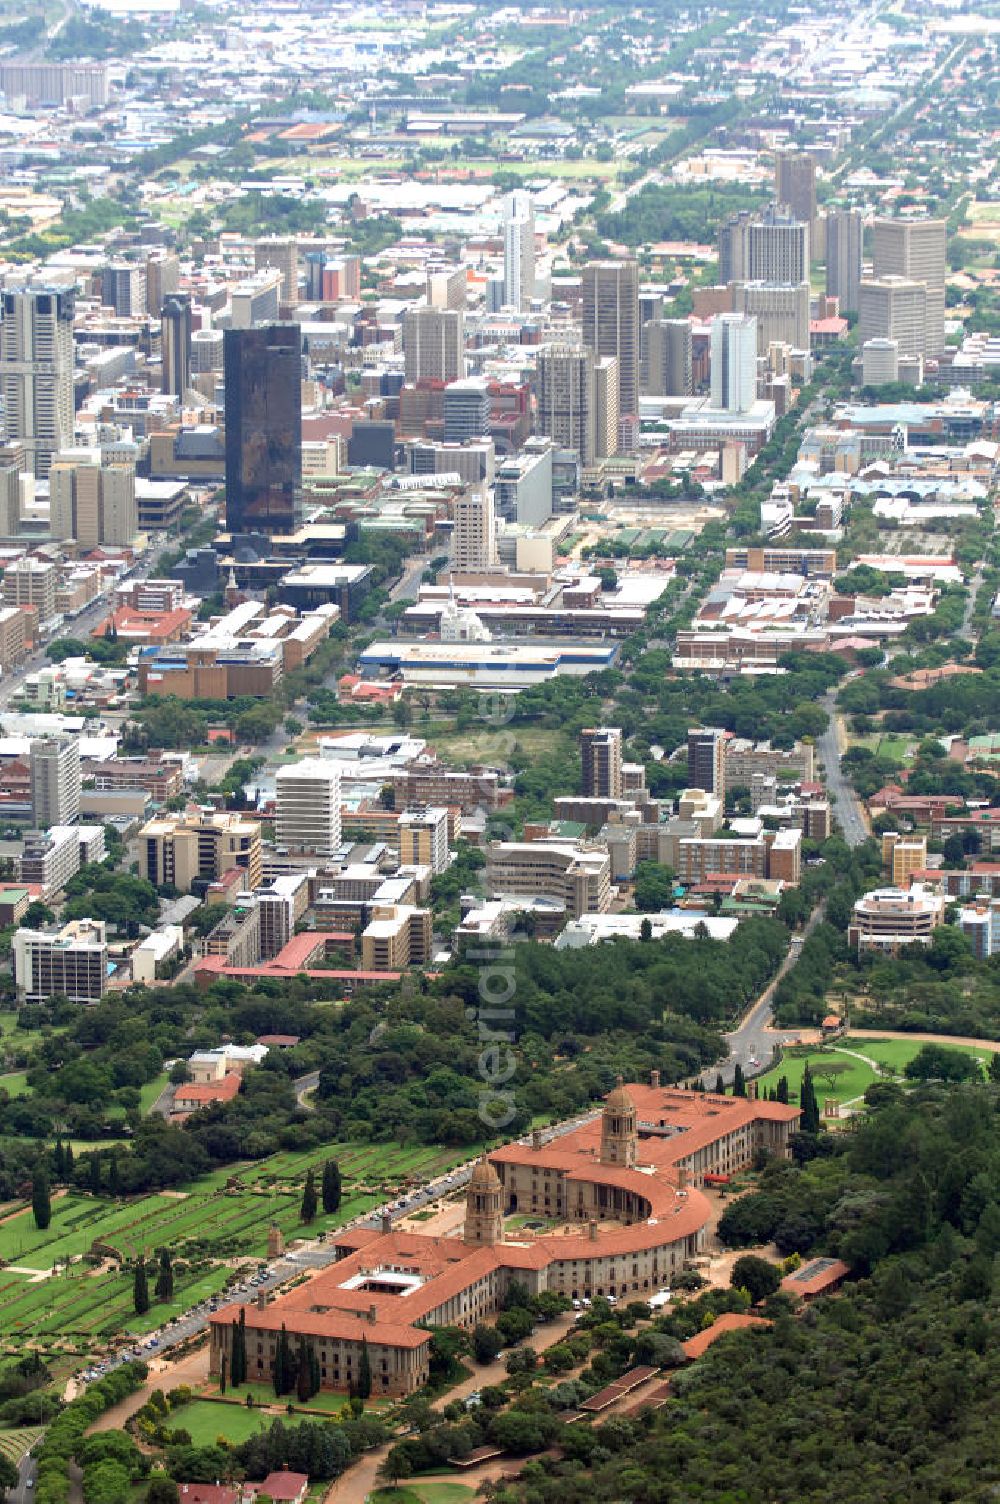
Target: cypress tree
58,1161
739,1081
720,1085
234,1365
41,1201
307,1211
94,1175
302,1389
364,1384
284,1372
314,1374
222,1375
331,1188
242,1331
809,1122
782,1092
114,1184
165,1277
140,1289
68,1163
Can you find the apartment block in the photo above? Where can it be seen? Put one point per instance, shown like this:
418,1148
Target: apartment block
71,962
601,759
902,856
423,839
396,936
706,758
280,905
887,919
308,806
55,781
745,759
199,845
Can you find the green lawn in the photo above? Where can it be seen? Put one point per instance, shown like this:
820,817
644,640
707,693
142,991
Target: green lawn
15,1084
206,1420
484,745
853,1082
264,1395
149,1093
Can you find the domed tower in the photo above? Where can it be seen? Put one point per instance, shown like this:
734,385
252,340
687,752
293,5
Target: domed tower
619,1129
484,1206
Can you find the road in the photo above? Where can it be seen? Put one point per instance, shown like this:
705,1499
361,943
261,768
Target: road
970,605
847,806
754,1039
27,1474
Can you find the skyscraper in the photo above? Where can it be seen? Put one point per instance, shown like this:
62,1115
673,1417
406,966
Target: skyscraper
734,362
55,781
601,758
915,248
433,344
611,322
123,288
308,806
566,398
607,406
844,239
263,383
669,358
781,310
36,371
466,410
707,759
282,254
474,543
795,183
894,308
92,502
518,249
769,246
175,344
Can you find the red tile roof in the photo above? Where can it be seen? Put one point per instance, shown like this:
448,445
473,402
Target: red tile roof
200,1094
730,1321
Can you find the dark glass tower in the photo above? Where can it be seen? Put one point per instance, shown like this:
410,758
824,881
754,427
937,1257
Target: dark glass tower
175,344
263,375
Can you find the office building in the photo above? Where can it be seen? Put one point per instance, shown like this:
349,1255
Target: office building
423,838
566,398
71,962
781,311
263,371
175,345
668,358
466,410
163,279
575,876
607,406
474,541
256,300
199,846
10,497
903,857
915,249
280,906
281,255
706,755
41,83
524,484
518,250
91,502
55,781
879,362
433,344
769,246
206,351
36,371
308,806
601,758
893,308
844,250
31,582
447,286
888,919
795,183
14,625
611,323
123,288
734,362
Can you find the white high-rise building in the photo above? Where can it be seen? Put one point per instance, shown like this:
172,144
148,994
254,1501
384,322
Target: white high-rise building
55,782
308,806
734,362
915,249
433,344
519,249
474,543
36,371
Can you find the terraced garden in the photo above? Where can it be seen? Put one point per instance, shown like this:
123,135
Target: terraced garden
222,1217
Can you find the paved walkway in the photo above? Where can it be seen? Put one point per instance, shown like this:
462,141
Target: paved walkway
359,1480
